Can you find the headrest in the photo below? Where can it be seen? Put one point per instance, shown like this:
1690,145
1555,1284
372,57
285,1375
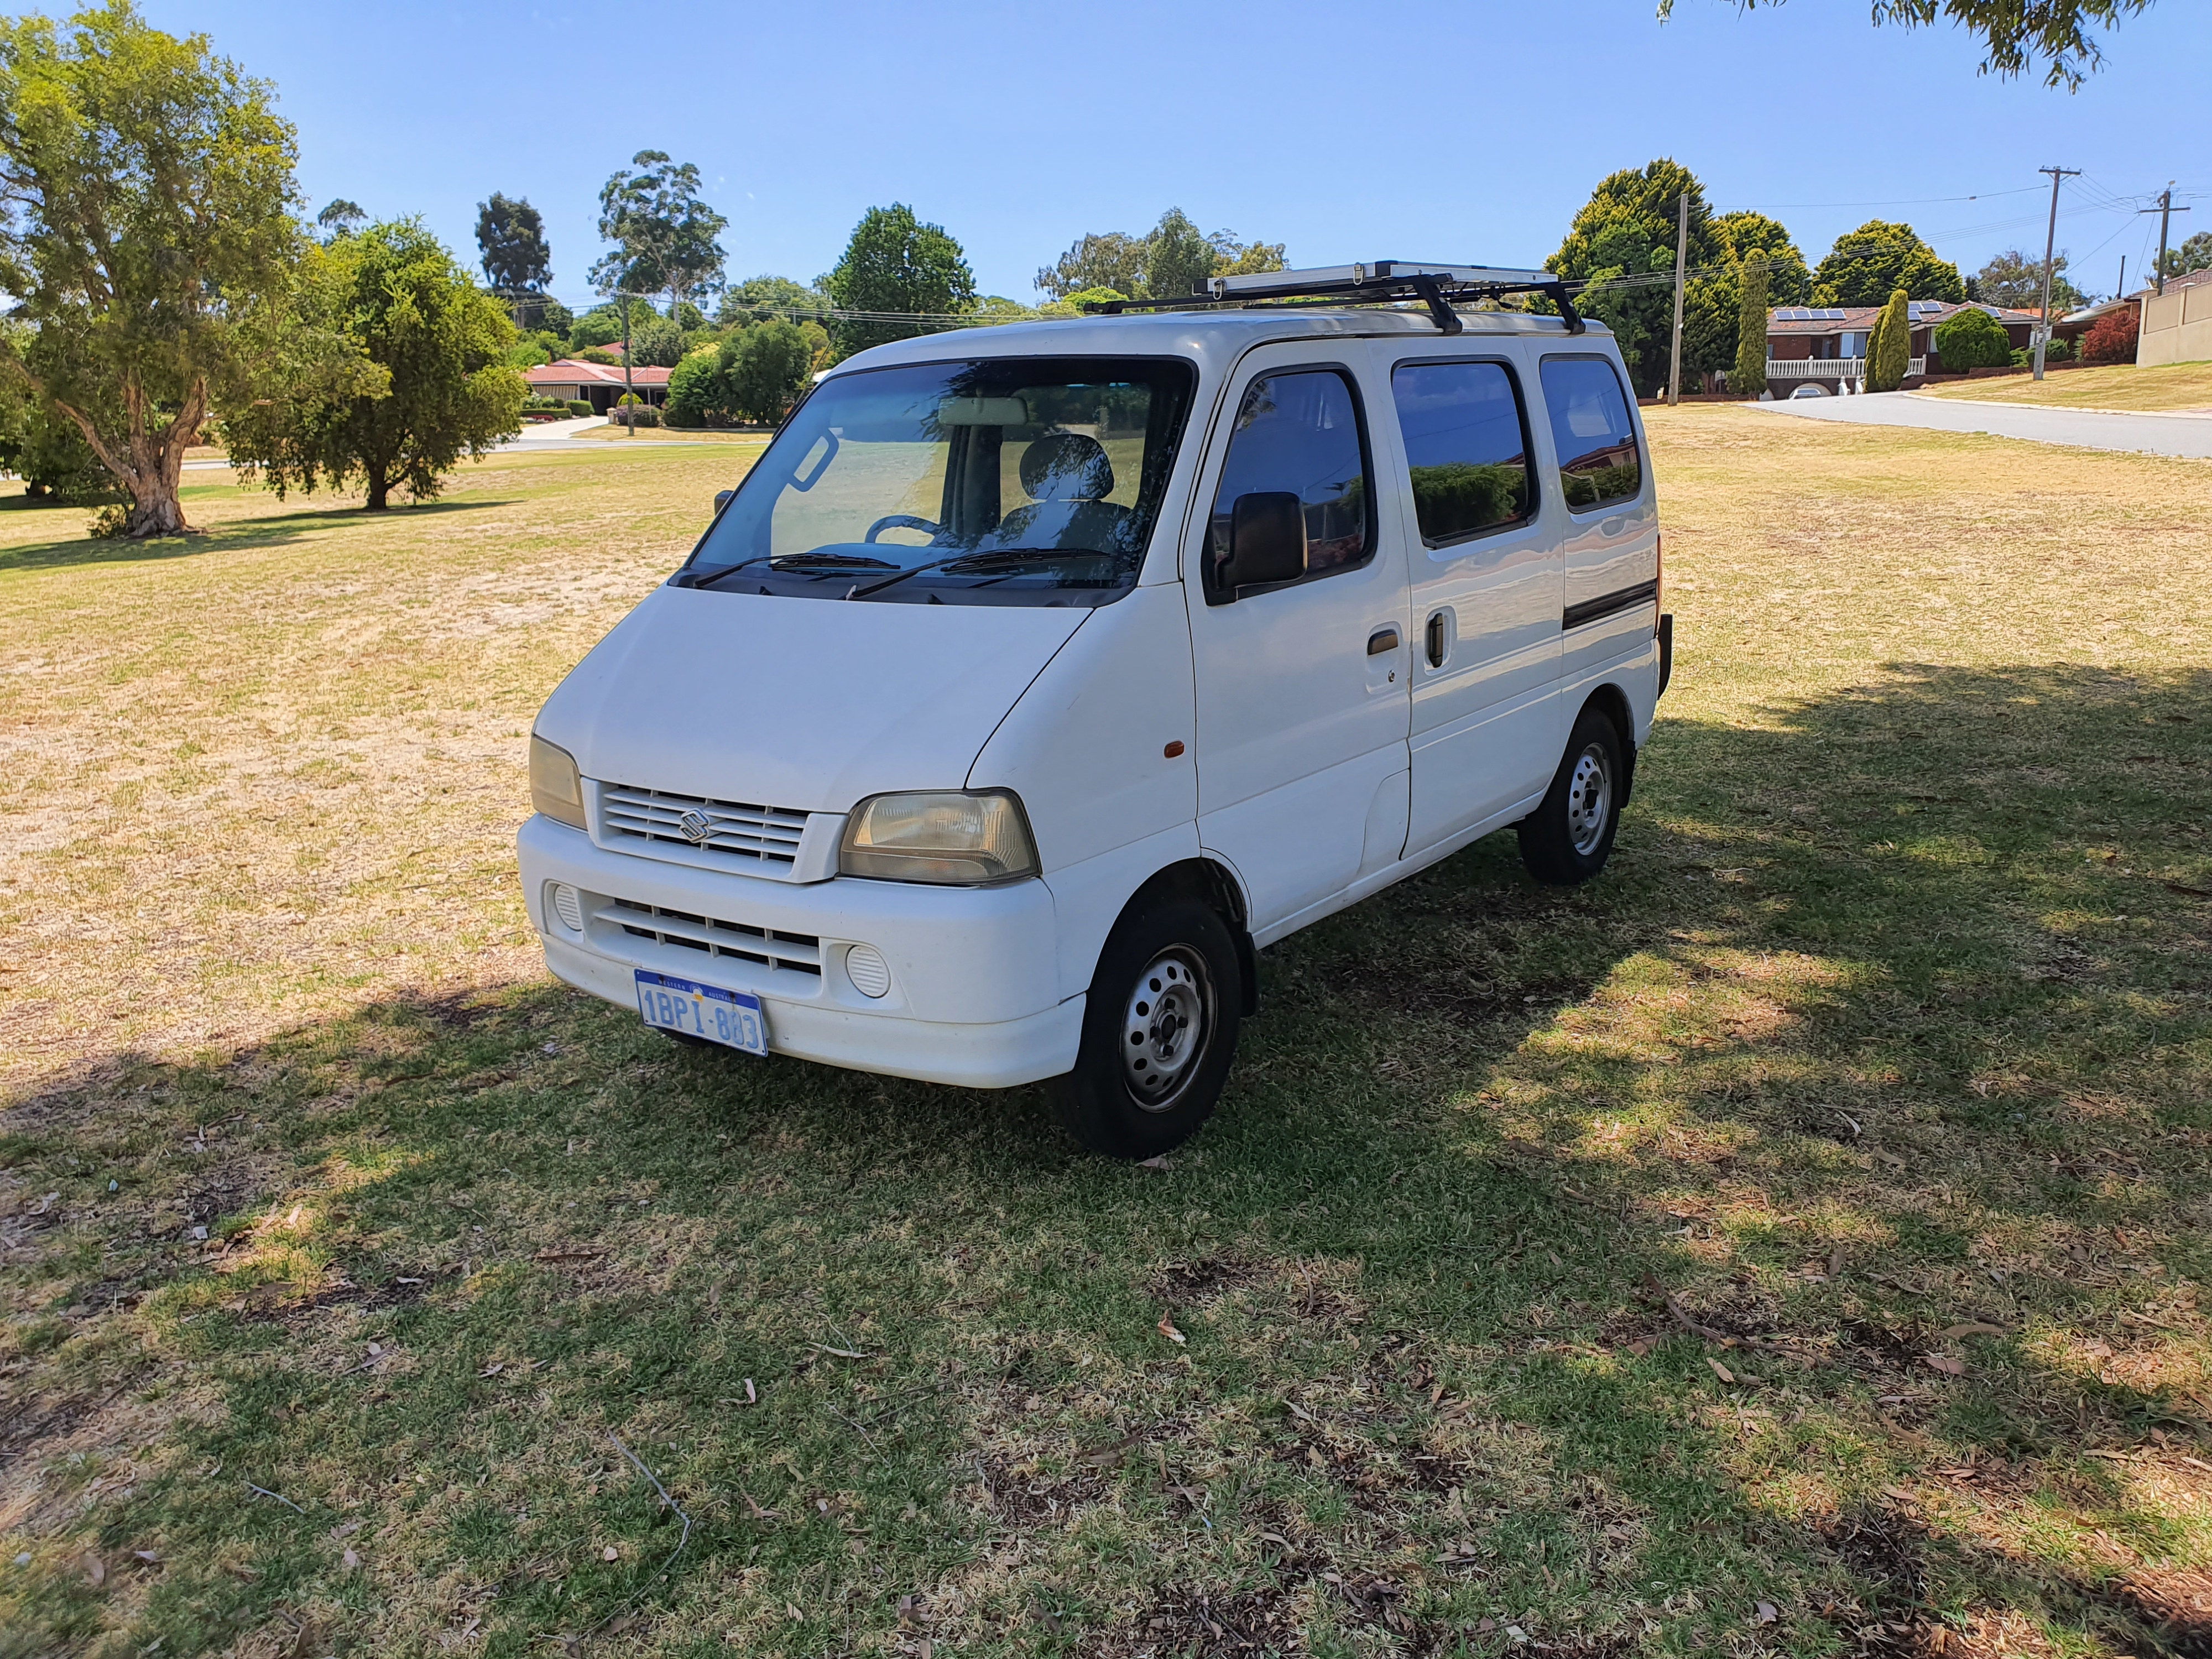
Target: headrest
1067,466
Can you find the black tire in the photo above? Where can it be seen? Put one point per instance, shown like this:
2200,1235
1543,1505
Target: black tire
1172,960
1565,842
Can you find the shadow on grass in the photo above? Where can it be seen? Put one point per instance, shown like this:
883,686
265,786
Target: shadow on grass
1884,1039
275,530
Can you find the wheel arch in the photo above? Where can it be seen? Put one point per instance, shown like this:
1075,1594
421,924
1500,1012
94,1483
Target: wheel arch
1611,701
1215,885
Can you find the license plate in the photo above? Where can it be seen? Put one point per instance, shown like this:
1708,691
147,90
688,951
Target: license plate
731,1018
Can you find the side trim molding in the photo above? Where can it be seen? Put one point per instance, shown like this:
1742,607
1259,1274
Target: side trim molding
1607,604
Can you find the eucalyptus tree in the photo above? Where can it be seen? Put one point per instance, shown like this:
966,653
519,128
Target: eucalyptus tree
148,236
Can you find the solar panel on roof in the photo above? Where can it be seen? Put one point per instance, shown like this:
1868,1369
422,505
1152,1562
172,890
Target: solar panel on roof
1832,315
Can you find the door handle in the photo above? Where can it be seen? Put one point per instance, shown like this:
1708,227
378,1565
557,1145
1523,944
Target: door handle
1383,640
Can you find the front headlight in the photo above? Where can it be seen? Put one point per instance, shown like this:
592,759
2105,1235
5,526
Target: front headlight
955,838
555,788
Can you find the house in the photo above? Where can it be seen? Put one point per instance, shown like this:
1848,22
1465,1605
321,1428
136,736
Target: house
1827,345
600,385
2177,324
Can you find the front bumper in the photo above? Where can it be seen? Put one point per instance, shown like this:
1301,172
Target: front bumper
973,998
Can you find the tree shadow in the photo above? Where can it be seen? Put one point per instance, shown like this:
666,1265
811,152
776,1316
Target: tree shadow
275,530
1880,1042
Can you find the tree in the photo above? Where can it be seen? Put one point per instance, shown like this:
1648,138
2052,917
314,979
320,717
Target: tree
1889,345
1642,201
698,394
147,232
1973,339
438,344
655,342
664,234
1743,233
895,263
1621,243
1867,265
768,368
511,236
2194,254
1232,258
2111,338
1108,259
759,298
2015,280
1749,376
1178,258
2014,32
340,218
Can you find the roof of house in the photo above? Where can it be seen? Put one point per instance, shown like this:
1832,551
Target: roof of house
571,372
1835,319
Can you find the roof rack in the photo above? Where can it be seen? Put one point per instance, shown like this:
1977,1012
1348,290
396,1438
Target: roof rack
1438,287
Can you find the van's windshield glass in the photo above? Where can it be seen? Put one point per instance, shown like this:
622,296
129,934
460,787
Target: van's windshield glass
1005,481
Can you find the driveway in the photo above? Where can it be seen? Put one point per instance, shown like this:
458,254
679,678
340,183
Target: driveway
2188,435
554,434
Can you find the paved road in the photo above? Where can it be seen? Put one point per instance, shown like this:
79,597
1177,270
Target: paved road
2157,435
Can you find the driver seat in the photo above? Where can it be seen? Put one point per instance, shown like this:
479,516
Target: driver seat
1067,477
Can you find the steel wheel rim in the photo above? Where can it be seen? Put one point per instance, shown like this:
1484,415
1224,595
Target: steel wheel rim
1166,1026
1590,799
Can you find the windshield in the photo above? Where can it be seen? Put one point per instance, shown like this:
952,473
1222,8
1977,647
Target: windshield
1007,481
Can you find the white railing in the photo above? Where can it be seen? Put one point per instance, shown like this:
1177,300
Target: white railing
1829,368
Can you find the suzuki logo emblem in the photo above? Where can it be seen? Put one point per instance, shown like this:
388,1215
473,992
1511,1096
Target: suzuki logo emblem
695,827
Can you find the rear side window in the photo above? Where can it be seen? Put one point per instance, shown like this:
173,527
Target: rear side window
1590,428
1300,432
1466,447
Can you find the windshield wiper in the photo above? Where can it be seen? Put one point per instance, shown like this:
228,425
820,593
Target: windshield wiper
799,562
990,561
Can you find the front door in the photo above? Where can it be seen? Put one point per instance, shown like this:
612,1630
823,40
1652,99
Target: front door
1302,684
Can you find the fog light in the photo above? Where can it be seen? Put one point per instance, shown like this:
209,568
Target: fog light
569,905
865,967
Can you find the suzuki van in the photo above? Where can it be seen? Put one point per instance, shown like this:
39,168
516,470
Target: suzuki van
1038,677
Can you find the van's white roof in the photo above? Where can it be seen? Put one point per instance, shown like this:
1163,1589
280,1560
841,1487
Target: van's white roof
1208,336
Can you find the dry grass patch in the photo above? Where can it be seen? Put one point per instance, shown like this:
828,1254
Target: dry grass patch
1790,1243
2162,388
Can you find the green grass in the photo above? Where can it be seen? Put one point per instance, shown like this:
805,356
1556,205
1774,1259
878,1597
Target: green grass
1885,1037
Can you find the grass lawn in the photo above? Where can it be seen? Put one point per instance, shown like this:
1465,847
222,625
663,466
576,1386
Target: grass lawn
1791,1242
2168,388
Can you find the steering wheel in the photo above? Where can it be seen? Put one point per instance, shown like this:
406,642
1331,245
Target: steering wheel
900,521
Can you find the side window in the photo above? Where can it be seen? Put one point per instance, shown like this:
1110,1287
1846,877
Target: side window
1299,433
1466,447
1590,427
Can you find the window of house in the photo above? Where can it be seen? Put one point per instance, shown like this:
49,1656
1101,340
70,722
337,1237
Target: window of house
1466,447
1300,432
1592,432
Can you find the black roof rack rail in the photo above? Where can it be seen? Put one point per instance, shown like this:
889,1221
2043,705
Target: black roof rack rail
1438,287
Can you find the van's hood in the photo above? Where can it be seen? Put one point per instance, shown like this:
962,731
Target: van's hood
807,704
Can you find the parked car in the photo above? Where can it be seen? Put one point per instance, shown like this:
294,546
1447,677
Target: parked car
1037,677
1809,391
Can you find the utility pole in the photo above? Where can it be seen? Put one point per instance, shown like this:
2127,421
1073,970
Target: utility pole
2120,292
630,385
2165,210
1681,258
2050,247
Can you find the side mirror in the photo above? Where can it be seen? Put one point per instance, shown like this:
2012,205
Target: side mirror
722,500
1267,540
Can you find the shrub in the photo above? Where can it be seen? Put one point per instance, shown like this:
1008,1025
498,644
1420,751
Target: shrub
1973,339
1748,377
1889,348
2114,338
582,406
698,394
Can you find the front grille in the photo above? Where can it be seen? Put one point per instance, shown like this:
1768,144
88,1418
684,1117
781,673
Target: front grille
760,836
765,947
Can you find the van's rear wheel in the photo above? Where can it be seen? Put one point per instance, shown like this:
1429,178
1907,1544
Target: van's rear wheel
1567,840
1159,1031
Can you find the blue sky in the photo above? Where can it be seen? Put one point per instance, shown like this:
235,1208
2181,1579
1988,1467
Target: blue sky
1468,132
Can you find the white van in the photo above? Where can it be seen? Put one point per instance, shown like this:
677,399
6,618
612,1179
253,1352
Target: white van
1036,677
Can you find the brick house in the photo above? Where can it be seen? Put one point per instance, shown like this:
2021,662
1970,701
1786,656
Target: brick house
600,384
1825,346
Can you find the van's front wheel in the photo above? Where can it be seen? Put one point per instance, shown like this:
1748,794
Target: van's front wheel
1567,840
1159,1031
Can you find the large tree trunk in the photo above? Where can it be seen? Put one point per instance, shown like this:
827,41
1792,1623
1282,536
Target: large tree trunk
149,463
380,490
